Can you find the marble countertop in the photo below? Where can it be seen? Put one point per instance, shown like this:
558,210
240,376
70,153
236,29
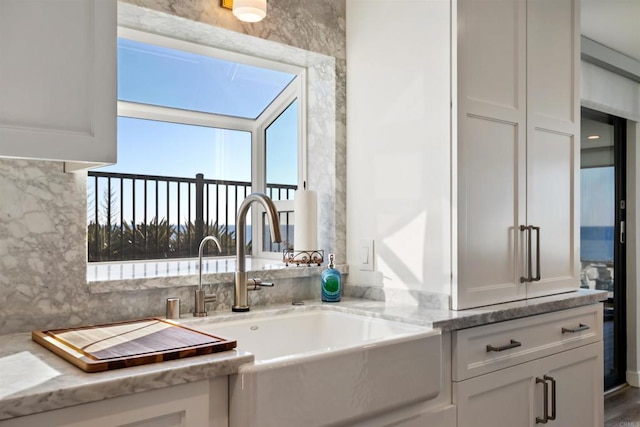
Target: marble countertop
33,379
445,320
449,320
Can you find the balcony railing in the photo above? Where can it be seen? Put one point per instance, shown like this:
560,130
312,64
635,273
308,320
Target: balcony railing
137,217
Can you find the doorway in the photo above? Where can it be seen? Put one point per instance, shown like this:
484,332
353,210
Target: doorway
602,229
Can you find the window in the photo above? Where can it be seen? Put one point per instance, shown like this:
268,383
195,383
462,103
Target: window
198,130
280,139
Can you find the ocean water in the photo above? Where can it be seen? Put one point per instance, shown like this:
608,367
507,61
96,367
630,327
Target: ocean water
597,243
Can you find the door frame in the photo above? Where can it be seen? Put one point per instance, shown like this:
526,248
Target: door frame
618,375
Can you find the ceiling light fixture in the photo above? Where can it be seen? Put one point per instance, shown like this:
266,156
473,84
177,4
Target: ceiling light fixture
593,137
247,10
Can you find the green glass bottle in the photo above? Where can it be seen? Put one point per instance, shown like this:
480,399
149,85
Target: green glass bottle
331,282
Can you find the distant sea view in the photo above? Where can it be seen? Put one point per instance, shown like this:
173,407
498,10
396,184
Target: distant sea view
596,243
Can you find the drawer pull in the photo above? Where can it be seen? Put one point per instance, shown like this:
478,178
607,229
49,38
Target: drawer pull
512,344
545,386
529,276
553,396
530,229
537,278
574,330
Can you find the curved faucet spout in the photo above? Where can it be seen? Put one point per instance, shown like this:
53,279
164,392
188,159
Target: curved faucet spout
241,293
200,251
200,297
241,221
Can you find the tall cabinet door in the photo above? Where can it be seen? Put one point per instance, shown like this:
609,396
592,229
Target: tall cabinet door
490,151
579,379
553,143
507,397
58,80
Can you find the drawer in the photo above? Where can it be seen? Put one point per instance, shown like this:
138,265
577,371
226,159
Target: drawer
484,349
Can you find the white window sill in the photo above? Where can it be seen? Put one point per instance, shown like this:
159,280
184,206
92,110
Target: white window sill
105,277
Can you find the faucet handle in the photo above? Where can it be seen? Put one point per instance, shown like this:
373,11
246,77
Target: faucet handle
202,298
255,284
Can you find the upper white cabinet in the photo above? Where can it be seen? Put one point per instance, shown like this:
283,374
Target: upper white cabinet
553,141
58,80
517,149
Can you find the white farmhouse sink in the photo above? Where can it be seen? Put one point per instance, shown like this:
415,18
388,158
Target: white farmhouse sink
321,367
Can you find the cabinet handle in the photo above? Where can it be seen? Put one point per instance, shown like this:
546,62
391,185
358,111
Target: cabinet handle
537,278
512,344
574,330
545,418
527,278
553,397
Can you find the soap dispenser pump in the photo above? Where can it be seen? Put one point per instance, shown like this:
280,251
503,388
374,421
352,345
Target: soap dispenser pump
331,282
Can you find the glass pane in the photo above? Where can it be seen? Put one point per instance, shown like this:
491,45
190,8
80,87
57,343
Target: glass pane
281,148
171,149
286,219
597,220
161,209
597,224
156,75
597,205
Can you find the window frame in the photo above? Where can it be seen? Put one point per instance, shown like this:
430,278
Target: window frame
292,93
296,90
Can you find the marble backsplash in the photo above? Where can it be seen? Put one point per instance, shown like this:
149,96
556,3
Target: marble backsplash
43,275
43,281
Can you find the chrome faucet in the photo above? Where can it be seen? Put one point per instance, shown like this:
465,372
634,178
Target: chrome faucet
200,297
241,289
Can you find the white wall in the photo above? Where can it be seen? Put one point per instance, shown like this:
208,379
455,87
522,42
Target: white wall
398,149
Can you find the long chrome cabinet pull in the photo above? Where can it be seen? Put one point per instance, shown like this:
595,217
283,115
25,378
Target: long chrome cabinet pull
512,344
528,277
576,329
553,396
545,417
537,278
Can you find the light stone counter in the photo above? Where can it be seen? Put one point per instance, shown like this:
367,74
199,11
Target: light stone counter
32,379
449,320
445,320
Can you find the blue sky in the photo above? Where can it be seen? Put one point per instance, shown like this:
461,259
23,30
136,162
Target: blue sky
160,76
169,149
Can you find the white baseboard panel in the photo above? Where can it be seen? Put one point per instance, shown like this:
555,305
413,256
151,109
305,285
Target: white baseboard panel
633,378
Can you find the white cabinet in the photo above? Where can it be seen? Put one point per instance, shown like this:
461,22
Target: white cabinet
58,80
558,361
203,403
579,379
515,396
505,398
517,149
553,141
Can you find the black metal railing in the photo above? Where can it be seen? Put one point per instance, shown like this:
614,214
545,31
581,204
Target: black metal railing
135,217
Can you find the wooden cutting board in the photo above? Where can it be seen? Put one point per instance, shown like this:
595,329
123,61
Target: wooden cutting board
120,345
